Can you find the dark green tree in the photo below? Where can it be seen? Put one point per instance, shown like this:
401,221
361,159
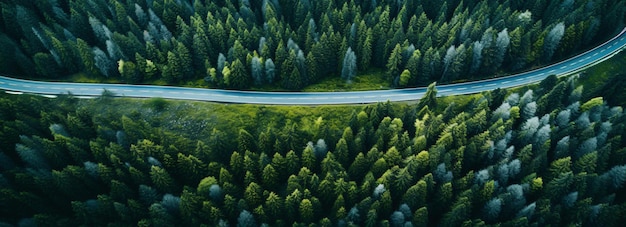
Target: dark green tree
394,66
238,77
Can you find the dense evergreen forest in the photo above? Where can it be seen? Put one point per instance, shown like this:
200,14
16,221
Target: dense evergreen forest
290,44
548,155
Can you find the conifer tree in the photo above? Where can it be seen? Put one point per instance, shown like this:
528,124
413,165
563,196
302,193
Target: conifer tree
394,65
348,71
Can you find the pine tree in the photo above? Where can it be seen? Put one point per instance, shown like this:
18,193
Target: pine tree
162,179
492,209
270,177
253,194
348,71
559,185
274,206
552,40
256,69
430,98
238,78
394,65
503,41
308,157
185,61
342,152
447,61
246,219
403,180
270,71
405,77
246,141
420,217
413,66
365,54
129,71
306,211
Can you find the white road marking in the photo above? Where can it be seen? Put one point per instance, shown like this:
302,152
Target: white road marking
610,46
187,93
461,88
83,89
505,82
595,54
602,51
40,88
174,92
2,82
520,79
24,85
113,89
572,64
371,96
10,84
445,90
563,67
489,85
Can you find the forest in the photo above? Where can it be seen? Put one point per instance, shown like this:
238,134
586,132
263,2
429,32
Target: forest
547,154
288,45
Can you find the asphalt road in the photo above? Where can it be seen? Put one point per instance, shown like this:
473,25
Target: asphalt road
569,66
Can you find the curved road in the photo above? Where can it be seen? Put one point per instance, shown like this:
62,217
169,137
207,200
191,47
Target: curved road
569,66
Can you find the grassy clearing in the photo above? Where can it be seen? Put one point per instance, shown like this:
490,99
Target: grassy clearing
597,76
193,118
372,79
606,80
460,101
83,78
